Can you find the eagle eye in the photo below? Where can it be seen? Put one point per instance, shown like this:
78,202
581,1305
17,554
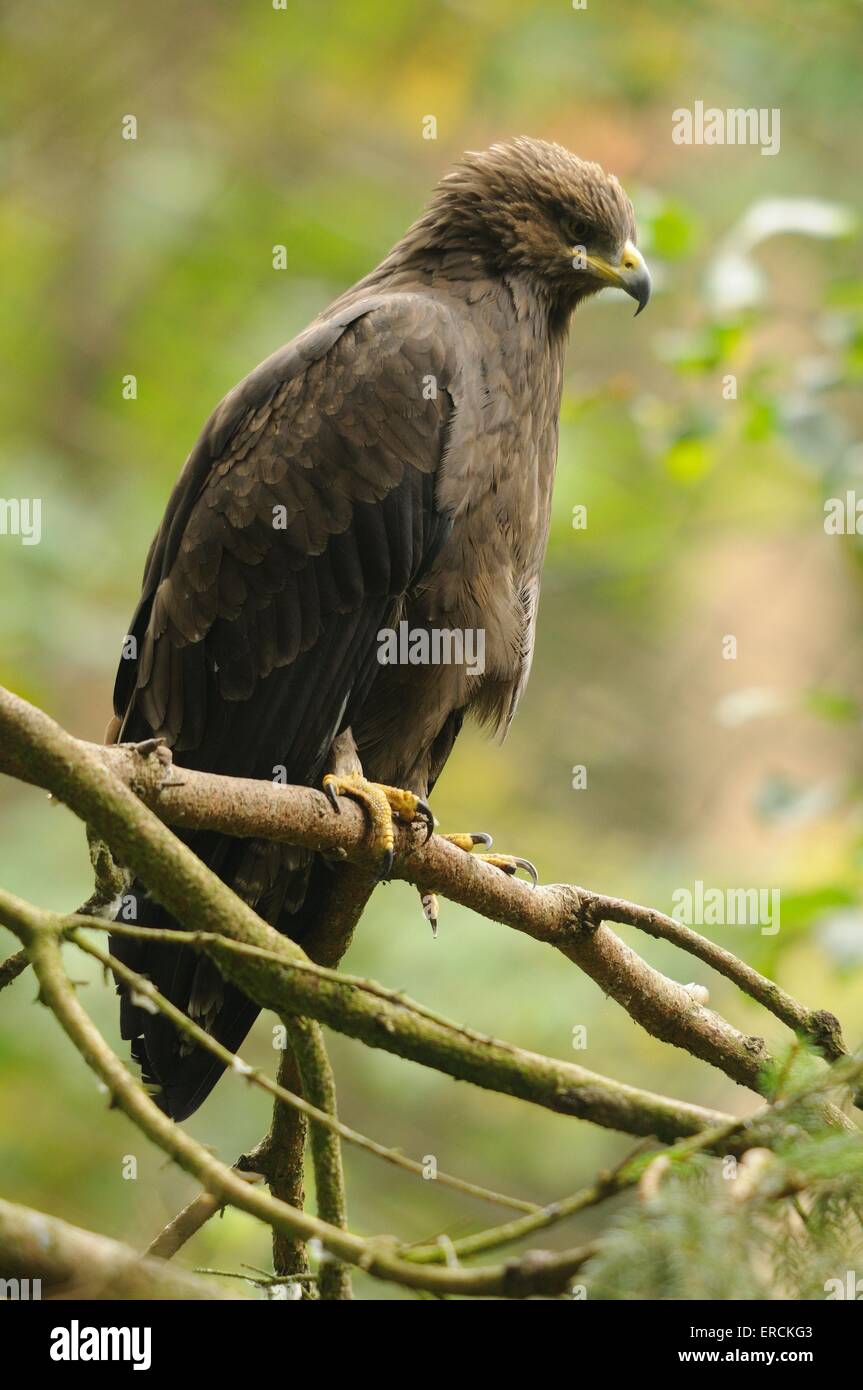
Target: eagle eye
577,233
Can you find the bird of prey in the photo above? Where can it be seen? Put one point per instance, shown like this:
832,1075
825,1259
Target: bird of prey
392,464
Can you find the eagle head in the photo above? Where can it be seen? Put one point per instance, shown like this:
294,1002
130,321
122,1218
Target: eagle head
532,208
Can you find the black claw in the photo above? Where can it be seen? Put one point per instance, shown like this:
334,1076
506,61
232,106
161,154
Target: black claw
480,837
332,798
529,869
386,866
431,917
423,809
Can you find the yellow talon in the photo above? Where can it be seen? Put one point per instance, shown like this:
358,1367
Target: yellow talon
469,841
382,803
508,863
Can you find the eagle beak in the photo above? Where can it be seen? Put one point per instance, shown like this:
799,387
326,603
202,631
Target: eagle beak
630,275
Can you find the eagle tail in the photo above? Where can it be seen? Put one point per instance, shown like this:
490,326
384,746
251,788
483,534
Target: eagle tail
181,1072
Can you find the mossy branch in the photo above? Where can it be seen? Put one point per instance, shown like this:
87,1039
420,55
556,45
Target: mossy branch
74,1263
76,773
538,1272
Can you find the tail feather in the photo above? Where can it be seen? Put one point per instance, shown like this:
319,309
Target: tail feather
182,1073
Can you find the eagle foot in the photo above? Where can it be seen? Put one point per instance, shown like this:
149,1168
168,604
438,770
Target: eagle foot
507,863
510,864
470,840
383,804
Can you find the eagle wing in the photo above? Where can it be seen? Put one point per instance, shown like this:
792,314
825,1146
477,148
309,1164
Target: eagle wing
302,517
305,511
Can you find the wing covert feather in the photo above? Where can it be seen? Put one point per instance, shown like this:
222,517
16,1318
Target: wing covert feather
252,636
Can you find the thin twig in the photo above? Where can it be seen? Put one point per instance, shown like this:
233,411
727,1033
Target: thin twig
763,1127
144,987
12,967
261,1281
188,1222
535,1274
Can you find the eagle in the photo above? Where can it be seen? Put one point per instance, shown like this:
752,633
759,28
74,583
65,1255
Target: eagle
392,464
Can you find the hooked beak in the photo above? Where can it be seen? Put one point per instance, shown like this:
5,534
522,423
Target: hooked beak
630,275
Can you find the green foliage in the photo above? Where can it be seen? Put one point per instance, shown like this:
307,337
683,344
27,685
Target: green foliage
696,1240
687,1243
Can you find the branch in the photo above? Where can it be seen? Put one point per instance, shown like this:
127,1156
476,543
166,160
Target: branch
38,750
12,967
767,1127
73,1263
818,1026
538,1272
538,1218
260,1161
365,1010
280,1157
182,1227
319,1088
277,974
343,903
188,1222
196,898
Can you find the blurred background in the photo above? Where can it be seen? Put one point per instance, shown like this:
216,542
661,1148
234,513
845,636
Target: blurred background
304,127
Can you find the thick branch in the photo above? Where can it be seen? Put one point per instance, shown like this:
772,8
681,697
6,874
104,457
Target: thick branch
78,774
319,1088
259,1161
280,1157
73,1263
566,917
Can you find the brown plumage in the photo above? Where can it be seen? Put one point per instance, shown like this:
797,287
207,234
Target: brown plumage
394,462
